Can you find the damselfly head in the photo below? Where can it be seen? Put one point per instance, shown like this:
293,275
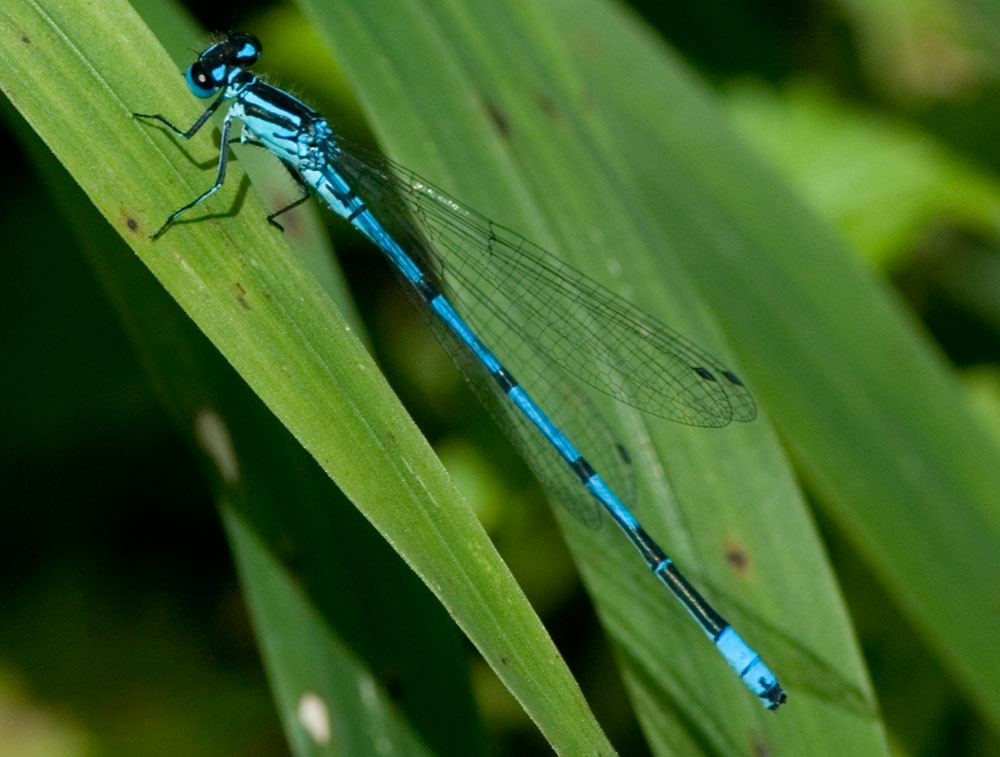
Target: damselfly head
207,74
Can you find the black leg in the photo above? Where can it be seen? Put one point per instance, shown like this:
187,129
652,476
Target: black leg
219,178
194,127
307,194
305,188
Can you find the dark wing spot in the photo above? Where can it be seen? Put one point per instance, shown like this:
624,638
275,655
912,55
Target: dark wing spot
704,372
732,378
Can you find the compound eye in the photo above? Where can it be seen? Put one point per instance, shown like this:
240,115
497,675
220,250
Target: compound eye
200,81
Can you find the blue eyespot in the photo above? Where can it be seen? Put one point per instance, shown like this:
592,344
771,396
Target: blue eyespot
249,49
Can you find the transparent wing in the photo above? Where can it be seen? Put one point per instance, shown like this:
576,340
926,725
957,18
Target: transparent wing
568,408
526,302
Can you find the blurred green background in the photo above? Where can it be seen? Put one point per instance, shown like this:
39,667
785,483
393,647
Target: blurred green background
123,629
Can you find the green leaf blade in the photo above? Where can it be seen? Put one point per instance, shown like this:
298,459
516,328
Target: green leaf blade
238,281
489,103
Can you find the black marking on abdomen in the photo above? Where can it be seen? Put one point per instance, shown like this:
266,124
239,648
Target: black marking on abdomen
506,381
356,212
649,549
582,469
707,617
427,289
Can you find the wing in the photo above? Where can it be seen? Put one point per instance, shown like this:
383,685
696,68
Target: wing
568,408
522,299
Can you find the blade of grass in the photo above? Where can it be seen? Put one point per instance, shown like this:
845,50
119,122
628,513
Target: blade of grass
290,528
485,99
76,73
877,424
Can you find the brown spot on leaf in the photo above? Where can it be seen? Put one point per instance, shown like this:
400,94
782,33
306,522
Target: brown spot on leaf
759,747
241,296
129,222
498,118
737,557
548,106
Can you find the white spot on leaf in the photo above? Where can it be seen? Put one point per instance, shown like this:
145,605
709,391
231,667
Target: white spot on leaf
315,717
213,437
